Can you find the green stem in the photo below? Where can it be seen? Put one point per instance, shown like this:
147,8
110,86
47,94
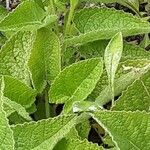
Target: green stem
53,11
73,4
47,107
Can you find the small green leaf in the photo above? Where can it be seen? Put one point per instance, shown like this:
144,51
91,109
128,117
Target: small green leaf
11,107
19,92
129,130
14,56
3,12
42,135
6,134
76,82
45,60
136,97
103,23
28,16
112,57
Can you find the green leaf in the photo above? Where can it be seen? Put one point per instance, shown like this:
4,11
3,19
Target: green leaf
11,107
136,97
19,92
45,60
127,73
76,82
42,134
73,141
6,134
103,23
14,56
129,130
112,57
28,16
3,12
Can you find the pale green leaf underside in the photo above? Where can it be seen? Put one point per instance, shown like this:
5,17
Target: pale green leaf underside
18,92
103,23
45,60
28,15
127,73
130,130
76,82
112,57
14,56
136,97
42,135
11,107
6,134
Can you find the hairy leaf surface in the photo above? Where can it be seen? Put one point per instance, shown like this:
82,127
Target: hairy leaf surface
42,134
76,82
103,23
45,60
130,130
6,134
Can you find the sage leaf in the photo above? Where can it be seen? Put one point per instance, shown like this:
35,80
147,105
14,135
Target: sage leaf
42,134
125,128
112,57
76,82
6,134
45,59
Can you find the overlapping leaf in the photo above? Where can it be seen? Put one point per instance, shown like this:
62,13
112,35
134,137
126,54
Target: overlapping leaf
45,60
103,23
76,82
129,130
14,56
43,134
19,92
6,134
27,16
137,96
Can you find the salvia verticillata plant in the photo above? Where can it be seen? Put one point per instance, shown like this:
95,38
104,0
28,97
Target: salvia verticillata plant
75,75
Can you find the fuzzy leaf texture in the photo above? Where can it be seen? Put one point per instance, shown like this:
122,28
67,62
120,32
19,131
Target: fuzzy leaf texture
19,92
27,16
103,23
137,96
45,60
129,130
112,57
6,134
76,82
14,56
42,134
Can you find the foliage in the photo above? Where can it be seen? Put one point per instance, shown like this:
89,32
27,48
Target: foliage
69,72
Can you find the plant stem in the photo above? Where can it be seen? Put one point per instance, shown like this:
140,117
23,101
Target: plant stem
73,4
53,11
47,108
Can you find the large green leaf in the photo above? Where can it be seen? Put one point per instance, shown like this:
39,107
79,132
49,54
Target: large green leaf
103,23
14,56
6,134
112,57
42,134
27,16
137,96
76,82
45,60
129,130
19,92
